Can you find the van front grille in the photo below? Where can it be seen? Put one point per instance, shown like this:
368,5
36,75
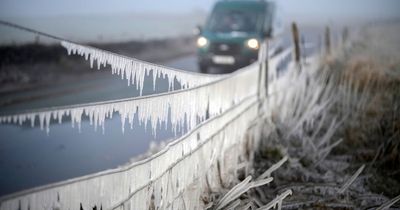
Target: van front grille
225,48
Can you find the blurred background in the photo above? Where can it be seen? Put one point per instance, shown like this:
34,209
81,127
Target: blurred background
36,72
123,20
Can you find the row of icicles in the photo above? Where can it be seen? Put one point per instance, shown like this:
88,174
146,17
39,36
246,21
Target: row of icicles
202,95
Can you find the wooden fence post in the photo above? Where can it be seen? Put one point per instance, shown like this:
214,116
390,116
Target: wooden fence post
37,39
266,67
296,40
327,41
303,53
262,73
345,35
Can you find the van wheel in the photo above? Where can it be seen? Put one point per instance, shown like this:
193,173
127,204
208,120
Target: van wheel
203,68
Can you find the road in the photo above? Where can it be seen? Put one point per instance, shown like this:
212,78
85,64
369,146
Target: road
29,157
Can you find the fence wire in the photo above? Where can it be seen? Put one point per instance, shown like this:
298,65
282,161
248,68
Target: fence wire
143,180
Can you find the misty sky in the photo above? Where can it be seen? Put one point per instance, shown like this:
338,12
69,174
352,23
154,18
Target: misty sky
118,20
330,8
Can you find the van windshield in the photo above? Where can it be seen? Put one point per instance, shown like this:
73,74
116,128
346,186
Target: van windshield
234,20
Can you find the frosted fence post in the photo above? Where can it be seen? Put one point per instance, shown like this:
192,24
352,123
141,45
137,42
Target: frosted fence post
303,45
266,71
327,41
295,36
37,39
263,70
345,35
259,60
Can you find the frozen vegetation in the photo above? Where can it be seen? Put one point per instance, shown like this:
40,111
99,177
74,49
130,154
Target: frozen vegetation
340,130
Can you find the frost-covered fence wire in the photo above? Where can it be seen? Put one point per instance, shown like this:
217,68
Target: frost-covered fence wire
122,186
135,70
232,102
162,176
184,106
132,69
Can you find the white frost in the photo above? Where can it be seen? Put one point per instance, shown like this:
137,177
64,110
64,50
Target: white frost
158,181
135,70
189,105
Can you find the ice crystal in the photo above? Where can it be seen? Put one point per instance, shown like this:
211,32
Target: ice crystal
190,105
135,70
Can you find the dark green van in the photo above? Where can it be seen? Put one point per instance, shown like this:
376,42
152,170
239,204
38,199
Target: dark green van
233,32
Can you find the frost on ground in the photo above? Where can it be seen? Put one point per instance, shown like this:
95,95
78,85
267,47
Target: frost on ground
332,139
341,130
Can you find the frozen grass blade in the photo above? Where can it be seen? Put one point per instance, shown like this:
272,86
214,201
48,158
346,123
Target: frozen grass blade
277,201
247,206
233,190
389,203
273,168
351,180
241,188
233,205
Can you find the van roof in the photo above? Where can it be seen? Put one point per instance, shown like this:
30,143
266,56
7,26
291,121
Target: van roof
235,4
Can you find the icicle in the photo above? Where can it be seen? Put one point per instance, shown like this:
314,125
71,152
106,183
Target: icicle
186,105
130,68
161,179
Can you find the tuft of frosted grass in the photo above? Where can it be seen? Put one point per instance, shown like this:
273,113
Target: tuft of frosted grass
312,109
303,99
241,188
232,196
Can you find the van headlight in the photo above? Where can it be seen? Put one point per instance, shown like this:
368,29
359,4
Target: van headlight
202,41
252,44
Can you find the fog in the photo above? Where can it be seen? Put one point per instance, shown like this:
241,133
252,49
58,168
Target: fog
114,21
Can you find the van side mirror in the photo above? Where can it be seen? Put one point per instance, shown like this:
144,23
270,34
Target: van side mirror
197,30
